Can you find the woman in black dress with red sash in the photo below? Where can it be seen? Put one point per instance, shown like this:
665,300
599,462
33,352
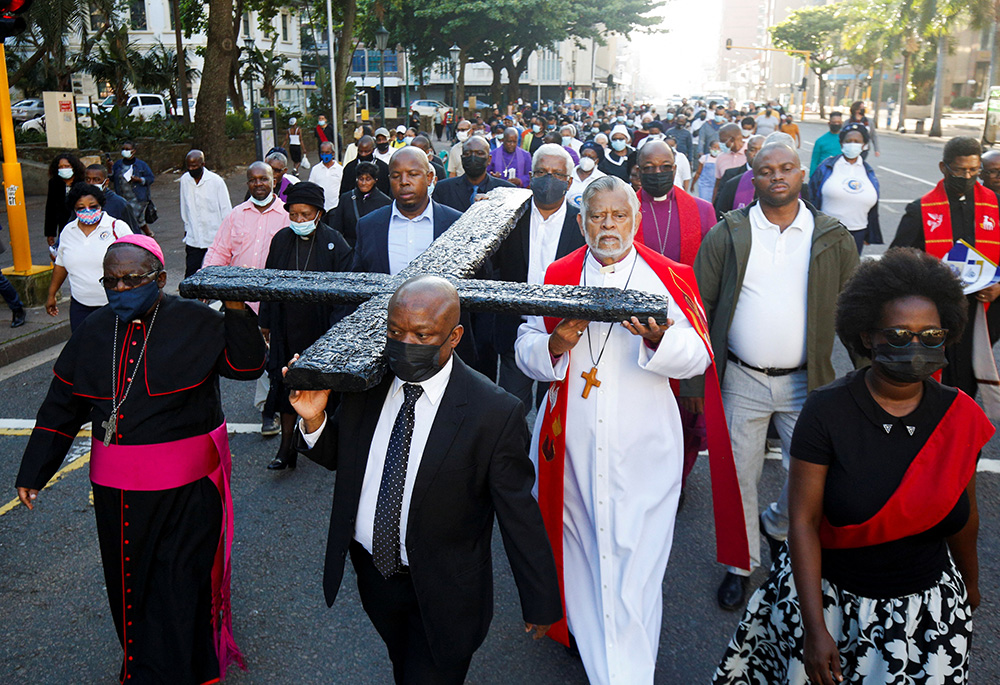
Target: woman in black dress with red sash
880,576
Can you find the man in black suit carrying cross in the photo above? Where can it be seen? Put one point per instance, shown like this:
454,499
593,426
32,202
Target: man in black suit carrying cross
424,461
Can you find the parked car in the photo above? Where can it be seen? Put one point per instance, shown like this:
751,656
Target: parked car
141,105
428,108
27,109
583,102
178,108
86,116
979,106
36,124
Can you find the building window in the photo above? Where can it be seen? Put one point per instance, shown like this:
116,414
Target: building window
246,24
391,60
137,14
358,63
284,28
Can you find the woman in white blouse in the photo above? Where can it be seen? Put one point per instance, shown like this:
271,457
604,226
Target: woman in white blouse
80,257
845,188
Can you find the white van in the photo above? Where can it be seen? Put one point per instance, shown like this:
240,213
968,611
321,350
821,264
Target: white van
141,105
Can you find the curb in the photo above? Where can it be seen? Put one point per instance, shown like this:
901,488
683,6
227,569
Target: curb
27,345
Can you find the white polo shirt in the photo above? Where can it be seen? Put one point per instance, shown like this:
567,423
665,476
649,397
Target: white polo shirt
328,178
769,324
83,257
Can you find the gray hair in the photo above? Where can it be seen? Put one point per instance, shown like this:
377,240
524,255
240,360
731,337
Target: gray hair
277,157
552,150
605,184
779,138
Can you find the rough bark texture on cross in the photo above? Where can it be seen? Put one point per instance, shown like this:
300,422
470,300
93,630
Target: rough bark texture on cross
349,357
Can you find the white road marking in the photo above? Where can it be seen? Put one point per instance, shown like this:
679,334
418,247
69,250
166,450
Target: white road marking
24,426
912,178
30,362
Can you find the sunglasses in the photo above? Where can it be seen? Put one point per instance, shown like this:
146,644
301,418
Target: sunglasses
901,337
130,280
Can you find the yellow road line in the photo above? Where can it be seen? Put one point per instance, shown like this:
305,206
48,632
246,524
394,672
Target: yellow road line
27,431
69,468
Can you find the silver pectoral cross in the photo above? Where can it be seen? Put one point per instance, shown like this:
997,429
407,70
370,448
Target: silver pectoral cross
109,428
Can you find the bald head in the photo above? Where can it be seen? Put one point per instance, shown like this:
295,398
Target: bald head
655,148
421,143
729,130
405,155
195,154
476,144
432,294
754,144
260,168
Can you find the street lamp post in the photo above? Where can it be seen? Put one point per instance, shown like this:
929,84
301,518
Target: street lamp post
381,41
250,45
455,52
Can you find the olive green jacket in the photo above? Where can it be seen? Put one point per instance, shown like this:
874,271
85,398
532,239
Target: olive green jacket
721,265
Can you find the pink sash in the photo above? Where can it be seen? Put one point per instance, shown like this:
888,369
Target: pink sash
169,465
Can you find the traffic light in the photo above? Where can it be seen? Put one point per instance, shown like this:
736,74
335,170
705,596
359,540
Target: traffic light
12,17
729,43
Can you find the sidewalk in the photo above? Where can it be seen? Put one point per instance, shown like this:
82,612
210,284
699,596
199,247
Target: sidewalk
42,331
952,125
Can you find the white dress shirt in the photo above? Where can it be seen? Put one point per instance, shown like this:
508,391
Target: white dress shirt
408,238
328,178
769,324
204,204
544,241
683,171
424,413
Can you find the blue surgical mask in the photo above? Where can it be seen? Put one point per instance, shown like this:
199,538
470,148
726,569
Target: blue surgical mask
131,304
621,119
670,117
566,140
262,203
408,139
618,145
326,157
536,128
595,130
65,173
852,150
302,228
719,119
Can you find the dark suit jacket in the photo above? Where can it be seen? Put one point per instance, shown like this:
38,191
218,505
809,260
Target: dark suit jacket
475,465
371,252
352,206
349,180
439,170
457,192
510,263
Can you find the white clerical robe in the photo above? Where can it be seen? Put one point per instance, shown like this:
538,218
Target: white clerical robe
624,458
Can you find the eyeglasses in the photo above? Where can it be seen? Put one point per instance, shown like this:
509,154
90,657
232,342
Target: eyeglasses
962,173
545,174
130,280
901,337
990,173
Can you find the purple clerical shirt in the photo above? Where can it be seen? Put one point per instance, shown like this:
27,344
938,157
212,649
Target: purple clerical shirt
667,214
519,161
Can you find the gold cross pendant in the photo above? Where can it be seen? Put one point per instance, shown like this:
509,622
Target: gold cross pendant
591,378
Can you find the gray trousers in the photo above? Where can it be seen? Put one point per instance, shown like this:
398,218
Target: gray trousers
751,399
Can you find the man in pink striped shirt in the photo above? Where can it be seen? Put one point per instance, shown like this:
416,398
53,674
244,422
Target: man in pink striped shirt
244,239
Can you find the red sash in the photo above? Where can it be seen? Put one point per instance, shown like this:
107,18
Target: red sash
931,486
170,465
689,220
935,213
732,548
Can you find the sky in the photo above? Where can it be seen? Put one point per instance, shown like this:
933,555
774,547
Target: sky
690,45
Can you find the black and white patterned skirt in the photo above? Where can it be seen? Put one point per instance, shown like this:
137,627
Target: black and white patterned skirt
921,638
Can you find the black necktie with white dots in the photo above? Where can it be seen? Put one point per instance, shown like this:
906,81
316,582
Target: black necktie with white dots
385,541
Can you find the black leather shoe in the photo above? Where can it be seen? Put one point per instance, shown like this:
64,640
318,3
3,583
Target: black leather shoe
282,462
18,319
773,544
732,591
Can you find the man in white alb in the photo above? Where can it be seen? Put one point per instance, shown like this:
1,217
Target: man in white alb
608,444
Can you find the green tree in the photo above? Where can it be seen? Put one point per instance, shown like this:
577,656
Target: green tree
156,71
818,30
113,62
268,67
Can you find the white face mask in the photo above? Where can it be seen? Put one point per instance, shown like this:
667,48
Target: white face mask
66,173
852,150
587,163
127,154
462,136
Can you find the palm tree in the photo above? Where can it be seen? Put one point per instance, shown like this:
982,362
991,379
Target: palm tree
114,61
268,67
157,71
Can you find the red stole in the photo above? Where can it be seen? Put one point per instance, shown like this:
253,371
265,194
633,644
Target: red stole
689,219
935,212
732,548
931,486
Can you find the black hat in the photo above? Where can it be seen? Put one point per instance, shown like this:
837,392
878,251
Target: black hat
304,192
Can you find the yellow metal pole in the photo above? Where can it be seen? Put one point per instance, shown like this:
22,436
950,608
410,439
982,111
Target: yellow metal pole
805,91
17,218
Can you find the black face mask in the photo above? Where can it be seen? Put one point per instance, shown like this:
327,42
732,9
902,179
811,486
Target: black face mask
474,165
382,147
959,186
835,128
548,190
411,362
196,174
910,364
365,158
657,183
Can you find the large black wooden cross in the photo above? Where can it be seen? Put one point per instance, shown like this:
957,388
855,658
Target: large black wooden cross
349,357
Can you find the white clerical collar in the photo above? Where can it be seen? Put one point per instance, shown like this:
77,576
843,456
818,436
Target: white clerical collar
434,386
622,264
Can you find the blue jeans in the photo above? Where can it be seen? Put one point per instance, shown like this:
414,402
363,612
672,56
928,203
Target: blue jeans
9,294
751,399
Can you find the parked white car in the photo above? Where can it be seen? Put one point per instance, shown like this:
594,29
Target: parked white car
36,124
141,105
428,108
27,109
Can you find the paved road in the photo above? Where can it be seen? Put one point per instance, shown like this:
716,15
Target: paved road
59,631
